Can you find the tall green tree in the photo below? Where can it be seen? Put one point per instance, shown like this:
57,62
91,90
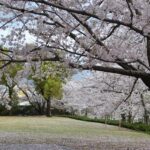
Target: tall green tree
50,88
48,80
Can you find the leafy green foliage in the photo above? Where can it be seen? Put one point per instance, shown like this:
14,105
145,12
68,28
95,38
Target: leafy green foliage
50,87
53,88
11,72
13,69
49,84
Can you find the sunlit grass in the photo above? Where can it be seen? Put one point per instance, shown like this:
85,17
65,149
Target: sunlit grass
64,127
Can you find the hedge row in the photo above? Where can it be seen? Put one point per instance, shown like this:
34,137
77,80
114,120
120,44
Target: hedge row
134,126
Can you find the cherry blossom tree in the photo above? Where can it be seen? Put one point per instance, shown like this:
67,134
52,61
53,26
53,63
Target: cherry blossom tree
103,35
111,36
108,96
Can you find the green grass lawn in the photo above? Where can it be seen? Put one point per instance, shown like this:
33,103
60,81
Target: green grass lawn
64,127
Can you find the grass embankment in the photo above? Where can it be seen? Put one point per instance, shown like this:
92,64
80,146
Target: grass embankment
134,126
63,127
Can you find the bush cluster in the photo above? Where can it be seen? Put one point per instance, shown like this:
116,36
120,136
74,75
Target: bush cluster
27,110
17,110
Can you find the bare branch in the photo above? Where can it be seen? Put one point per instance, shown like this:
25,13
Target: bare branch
129,95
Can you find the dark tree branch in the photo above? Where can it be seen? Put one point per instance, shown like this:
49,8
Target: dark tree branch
82,12
111,32
132,73
9,21
5,64
148,50
129,95
130,9
91,32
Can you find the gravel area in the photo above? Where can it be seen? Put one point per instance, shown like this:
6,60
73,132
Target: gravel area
27,141
32,147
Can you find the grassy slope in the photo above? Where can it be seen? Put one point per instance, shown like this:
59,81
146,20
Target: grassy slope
65,127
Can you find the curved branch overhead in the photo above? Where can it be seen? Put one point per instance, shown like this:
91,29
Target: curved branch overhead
91,35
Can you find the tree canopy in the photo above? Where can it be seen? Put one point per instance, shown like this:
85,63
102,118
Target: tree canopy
111,36
92,34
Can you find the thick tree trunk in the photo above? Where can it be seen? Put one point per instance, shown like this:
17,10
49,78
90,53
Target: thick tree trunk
48,109
123,117
130,117
10,92
147,80
146,115
148,50
146,118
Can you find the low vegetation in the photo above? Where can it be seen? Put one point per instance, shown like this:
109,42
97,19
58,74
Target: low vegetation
138,126
61,126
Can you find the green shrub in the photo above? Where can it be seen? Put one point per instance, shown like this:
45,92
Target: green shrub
17,110
3,110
